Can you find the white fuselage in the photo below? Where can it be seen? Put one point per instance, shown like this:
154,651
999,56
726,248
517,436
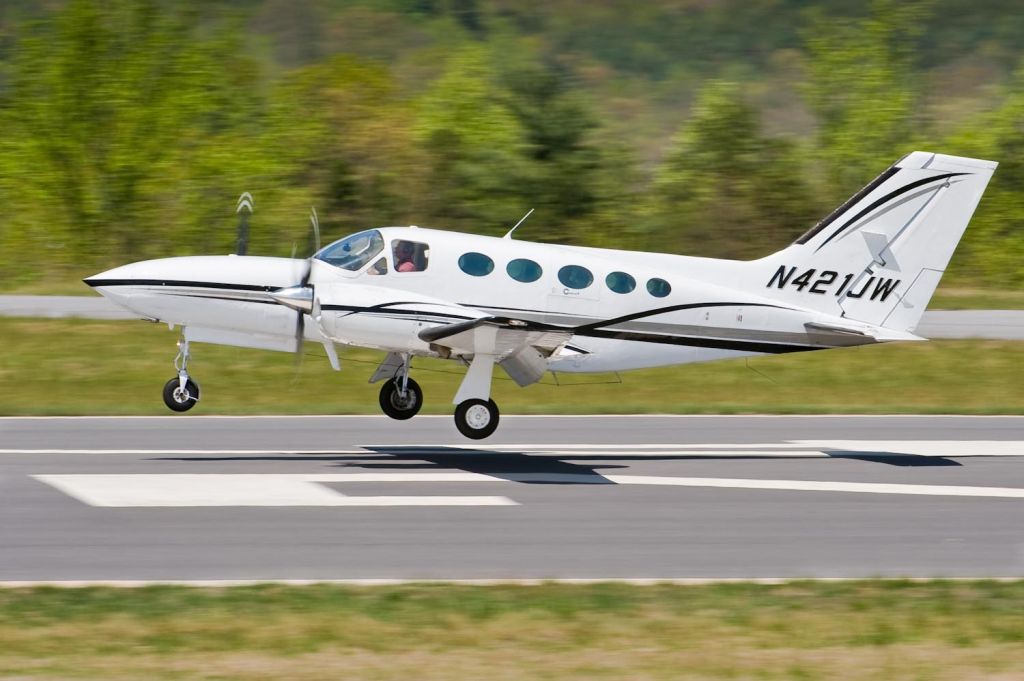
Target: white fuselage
695,309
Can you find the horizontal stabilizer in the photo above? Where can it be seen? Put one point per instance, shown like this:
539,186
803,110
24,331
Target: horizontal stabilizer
878,333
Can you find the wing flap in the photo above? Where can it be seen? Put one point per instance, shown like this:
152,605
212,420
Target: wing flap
501,337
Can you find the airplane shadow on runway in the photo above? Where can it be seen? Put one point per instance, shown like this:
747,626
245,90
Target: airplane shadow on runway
538,468
892,458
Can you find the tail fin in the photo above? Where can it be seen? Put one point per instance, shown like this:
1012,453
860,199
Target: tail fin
879,256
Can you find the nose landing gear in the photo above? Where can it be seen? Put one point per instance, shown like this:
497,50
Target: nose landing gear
398,403
400,396
181,393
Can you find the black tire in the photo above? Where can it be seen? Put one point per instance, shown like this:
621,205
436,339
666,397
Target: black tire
397,408
177,400
474,422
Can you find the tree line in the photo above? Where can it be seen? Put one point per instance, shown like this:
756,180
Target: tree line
129,127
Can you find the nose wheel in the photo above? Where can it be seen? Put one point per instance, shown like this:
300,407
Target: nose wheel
476,419
181,393
399,404
180,397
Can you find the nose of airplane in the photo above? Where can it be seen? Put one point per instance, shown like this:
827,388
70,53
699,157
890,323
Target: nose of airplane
120,274
117,285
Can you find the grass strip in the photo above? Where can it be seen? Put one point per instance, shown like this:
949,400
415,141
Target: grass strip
119,367
799,630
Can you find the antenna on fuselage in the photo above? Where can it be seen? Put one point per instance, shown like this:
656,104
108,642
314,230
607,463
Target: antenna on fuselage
508,235
244,210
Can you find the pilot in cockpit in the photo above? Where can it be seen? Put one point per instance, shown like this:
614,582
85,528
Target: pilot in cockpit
405,253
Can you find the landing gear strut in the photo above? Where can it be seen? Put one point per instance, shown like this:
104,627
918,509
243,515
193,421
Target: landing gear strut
401,397
476,419
181,393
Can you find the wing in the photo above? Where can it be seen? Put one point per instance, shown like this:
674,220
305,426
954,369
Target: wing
520,347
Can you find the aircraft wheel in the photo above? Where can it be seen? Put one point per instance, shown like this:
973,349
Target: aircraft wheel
397,407
476,419
177,399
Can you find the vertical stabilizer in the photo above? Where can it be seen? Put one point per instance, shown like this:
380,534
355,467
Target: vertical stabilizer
879,257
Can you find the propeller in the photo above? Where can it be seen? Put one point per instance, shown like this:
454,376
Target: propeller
300,297
244,209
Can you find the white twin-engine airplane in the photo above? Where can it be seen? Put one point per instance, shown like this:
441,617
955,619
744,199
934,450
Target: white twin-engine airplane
862,275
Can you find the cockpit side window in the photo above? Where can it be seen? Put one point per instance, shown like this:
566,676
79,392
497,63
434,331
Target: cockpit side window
353,252
379,267
410,256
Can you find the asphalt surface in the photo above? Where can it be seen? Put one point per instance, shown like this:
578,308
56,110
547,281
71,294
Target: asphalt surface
224,498
948,324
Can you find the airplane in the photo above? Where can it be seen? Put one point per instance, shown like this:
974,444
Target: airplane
863,274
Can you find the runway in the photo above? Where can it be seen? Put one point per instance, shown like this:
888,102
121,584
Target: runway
646,497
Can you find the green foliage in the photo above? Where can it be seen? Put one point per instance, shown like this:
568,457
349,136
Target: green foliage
476,144
129,127
993,250
117,119
725,188
862,89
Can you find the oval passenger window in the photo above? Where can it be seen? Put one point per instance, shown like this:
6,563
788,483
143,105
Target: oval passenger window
476,264
659,288
620,282
575,276
524,270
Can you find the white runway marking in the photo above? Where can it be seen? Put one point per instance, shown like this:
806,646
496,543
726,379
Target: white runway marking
181,490
178,490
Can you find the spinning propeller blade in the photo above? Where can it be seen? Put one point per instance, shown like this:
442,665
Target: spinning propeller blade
302,296
244,210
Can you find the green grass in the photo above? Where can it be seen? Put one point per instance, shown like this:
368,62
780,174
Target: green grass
802,630
92,367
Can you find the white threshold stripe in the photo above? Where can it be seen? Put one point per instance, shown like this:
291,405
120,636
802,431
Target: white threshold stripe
215,489
268,489
499,581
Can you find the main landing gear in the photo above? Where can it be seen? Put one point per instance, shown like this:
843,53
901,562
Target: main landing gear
476,415
476,418
181,393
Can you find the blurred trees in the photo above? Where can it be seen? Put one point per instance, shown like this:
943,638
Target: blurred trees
725,189
117,118
129,127
863,91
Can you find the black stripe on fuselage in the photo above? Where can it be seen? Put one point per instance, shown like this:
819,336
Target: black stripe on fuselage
388,308
180,283
697,342
670,308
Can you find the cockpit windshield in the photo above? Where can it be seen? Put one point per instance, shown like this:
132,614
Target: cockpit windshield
353,252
